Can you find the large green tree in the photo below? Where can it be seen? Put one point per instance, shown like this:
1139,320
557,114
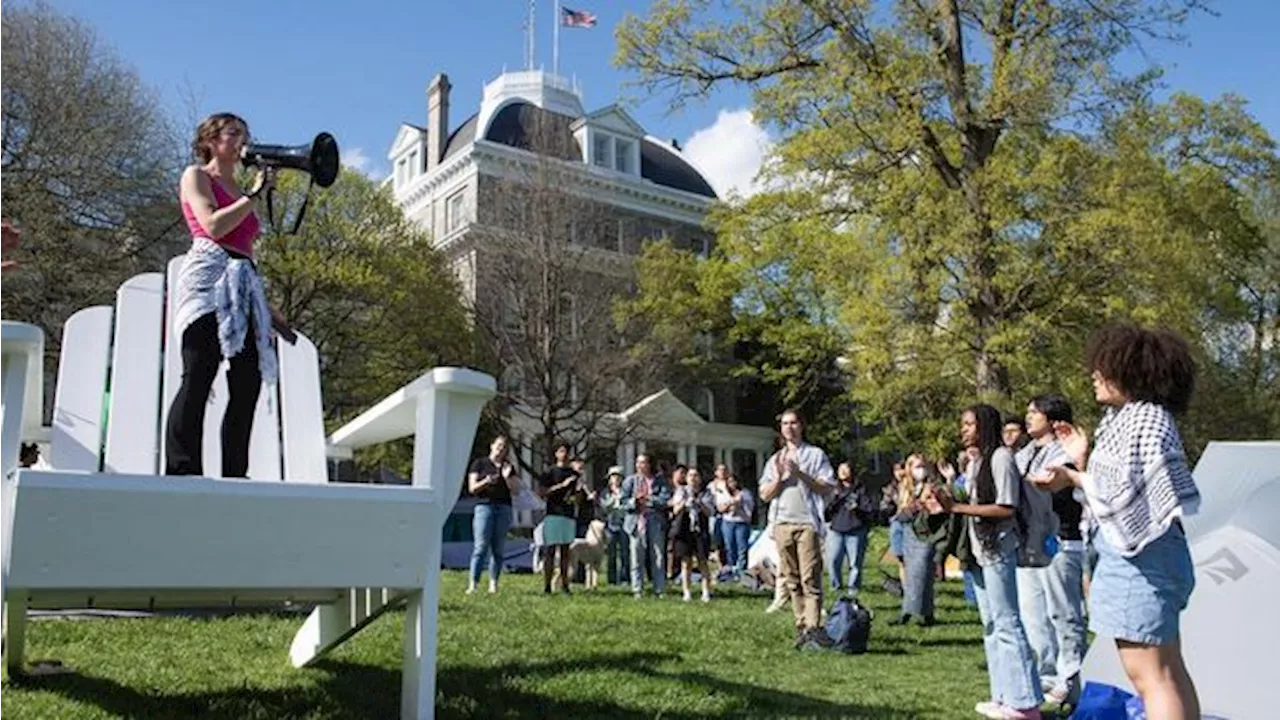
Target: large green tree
368,288
964,189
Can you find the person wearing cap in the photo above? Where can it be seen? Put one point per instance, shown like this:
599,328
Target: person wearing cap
611,510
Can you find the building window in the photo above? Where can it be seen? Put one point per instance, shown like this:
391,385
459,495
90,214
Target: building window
601,152
616,393
512,382
567,316
704,403
401,166
512,322
455,211
622,156
414,167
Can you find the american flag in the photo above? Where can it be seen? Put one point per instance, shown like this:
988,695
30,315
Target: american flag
577,18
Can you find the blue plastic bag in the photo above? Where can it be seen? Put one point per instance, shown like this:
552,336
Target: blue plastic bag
1104,702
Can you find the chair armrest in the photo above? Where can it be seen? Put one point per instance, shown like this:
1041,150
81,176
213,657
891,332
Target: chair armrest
395,416
22,348
441,410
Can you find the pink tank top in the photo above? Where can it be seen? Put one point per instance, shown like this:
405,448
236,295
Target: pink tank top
240,239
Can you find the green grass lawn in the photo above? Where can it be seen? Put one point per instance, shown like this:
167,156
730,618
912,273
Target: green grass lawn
518,654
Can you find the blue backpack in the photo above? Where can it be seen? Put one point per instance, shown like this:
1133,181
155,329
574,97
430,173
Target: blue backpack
849,626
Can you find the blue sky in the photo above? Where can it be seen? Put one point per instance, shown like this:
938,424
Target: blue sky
357,69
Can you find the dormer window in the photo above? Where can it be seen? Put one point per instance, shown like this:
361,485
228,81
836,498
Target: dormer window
614,152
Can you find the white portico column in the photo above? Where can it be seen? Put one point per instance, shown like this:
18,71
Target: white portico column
762,457
627,457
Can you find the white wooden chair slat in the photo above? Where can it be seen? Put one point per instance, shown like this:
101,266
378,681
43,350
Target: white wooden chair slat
133,446
172,353
76,437
264,446
301,414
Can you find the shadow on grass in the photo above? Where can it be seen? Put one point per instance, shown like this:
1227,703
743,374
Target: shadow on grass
350,690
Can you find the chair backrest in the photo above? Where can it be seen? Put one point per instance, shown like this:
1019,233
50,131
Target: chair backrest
120,369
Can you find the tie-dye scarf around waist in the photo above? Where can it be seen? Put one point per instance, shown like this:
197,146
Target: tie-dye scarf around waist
212,281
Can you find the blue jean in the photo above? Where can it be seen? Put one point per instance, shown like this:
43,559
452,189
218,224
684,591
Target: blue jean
737,538
618,568
1034,610
1064,596
1011,667
840,546
970,595
1141,598
489,526
917,592
897,534
653,546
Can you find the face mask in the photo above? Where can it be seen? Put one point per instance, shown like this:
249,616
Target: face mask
917,473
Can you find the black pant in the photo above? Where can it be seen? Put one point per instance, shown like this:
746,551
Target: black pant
201,355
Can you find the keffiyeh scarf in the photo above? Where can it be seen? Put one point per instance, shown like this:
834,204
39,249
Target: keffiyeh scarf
212,281
1138,481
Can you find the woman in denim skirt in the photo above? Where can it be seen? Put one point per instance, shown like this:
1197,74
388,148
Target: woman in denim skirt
1138,486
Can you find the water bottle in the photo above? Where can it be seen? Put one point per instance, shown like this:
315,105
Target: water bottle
1051,545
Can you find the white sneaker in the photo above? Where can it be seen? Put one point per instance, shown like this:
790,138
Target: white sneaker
706,597
471,589
687,597
990,709
493,588
776,605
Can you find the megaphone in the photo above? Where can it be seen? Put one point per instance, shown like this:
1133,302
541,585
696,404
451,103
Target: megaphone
319,159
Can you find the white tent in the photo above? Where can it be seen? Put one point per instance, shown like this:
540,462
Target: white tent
1230,630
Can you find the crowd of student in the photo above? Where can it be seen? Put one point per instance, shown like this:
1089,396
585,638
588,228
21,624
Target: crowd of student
1027,508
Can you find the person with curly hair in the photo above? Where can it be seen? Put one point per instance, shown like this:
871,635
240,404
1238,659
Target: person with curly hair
1136,480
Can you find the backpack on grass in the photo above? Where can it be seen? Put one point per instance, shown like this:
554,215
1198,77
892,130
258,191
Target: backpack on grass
849,626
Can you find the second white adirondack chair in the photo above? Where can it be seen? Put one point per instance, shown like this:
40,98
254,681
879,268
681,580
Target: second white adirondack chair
104,530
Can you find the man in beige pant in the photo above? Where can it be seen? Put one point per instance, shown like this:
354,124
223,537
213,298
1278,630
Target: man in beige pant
794,481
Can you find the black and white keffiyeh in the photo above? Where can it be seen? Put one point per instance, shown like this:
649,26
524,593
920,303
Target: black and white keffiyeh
1138,481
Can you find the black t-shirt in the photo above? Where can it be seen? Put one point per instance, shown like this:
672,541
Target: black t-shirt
558,501
1069,513
497,493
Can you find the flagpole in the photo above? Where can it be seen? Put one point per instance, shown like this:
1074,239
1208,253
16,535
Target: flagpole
533,35
555,42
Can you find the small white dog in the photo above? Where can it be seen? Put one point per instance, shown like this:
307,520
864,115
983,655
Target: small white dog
590,551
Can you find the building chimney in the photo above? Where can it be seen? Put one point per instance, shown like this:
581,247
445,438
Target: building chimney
437,119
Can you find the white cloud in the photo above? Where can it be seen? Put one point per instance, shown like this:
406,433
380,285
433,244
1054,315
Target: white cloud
730,152
357,159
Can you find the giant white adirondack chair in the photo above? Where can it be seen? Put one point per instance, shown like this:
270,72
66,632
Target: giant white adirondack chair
104,530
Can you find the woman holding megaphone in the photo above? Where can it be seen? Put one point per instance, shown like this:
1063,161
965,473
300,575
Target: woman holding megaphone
220,306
